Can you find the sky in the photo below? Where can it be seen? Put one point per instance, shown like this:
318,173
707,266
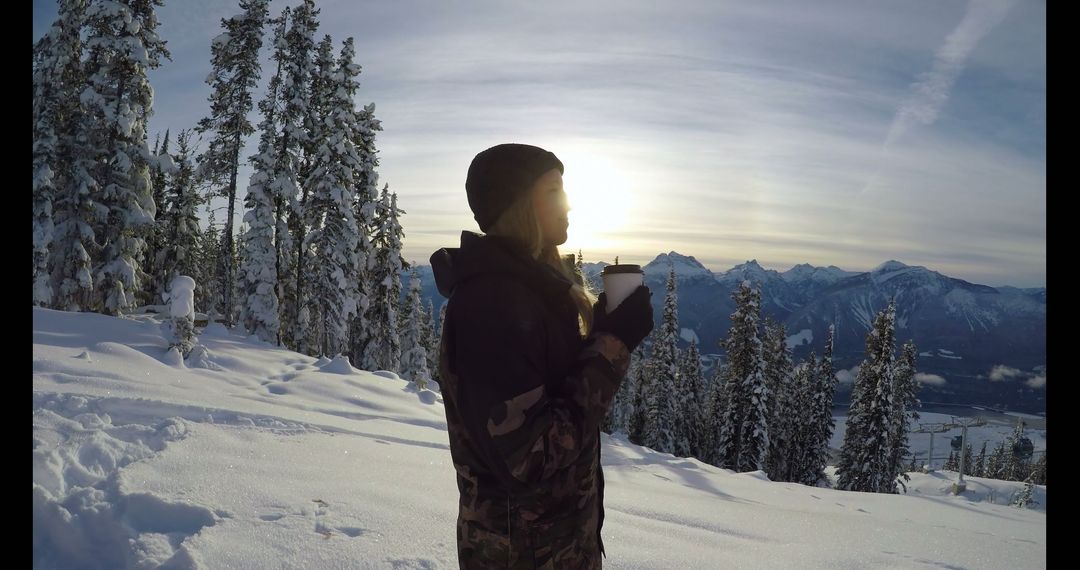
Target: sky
839,133
247,455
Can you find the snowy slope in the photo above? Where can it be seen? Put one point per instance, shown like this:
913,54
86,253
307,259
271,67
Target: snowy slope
263,458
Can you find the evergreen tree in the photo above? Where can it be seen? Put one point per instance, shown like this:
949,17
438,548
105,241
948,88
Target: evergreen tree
824,382
162,169
662,403
1038,471
235,71
1017,465
778,378
802,454
414,360
693,404
333,230
259,274
208,294
180,253
181,308
995,465
57,76
123,46
743,440
295,54
905,401
968,459
304,60
1026,496
622,407
75,206
383,351
716,427
865,454
429,338
953,462
366,183
643,377
979,467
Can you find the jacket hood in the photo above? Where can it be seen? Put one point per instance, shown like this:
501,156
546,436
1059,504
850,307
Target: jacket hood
482,254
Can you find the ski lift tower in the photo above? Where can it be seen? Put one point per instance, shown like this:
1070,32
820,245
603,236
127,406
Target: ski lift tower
964,423
932,429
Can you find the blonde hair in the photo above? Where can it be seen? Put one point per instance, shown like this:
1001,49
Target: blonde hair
519,222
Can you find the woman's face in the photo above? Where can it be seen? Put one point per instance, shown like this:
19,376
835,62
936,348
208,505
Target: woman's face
549,201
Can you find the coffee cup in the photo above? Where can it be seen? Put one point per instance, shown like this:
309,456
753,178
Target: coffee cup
620,280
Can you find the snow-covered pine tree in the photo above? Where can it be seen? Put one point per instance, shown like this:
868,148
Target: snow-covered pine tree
365,180
643,377
304,114
693,405
743,440
162,169
208,294
429,339
1038,471
414,360
824,387
384,350
1026,496
969,458
952,463
716,426
1016,467
182,311
235,71
56,60
333,230
75,208
180,232
293,51
904,413
123,46
864,456
978,468
662,402
258,276
995,464
619,415
778,378
801,452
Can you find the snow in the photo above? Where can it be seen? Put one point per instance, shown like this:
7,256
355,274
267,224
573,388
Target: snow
689,335
270,461
182,296
685,266
805,336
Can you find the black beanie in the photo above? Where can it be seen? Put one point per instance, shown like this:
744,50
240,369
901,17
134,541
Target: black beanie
502,174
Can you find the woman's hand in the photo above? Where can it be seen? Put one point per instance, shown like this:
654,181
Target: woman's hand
631,321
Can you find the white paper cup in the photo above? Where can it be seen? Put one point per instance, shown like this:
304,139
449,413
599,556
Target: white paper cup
619,282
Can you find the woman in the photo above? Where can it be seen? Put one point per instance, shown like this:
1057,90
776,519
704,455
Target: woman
529,366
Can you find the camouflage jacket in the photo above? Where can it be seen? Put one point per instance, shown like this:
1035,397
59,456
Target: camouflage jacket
524,396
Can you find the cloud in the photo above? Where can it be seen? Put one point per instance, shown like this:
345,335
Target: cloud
1001,373
933,379
1037,381
931,91
847,376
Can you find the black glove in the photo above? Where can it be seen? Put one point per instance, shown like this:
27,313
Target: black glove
631,321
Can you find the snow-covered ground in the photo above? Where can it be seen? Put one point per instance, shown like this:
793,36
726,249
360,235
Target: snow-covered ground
251,456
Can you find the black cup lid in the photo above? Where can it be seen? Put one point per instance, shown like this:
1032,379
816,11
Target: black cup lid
621,268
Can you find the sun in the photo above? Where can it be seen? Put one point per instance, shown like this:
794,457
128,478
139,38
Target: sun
601,198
